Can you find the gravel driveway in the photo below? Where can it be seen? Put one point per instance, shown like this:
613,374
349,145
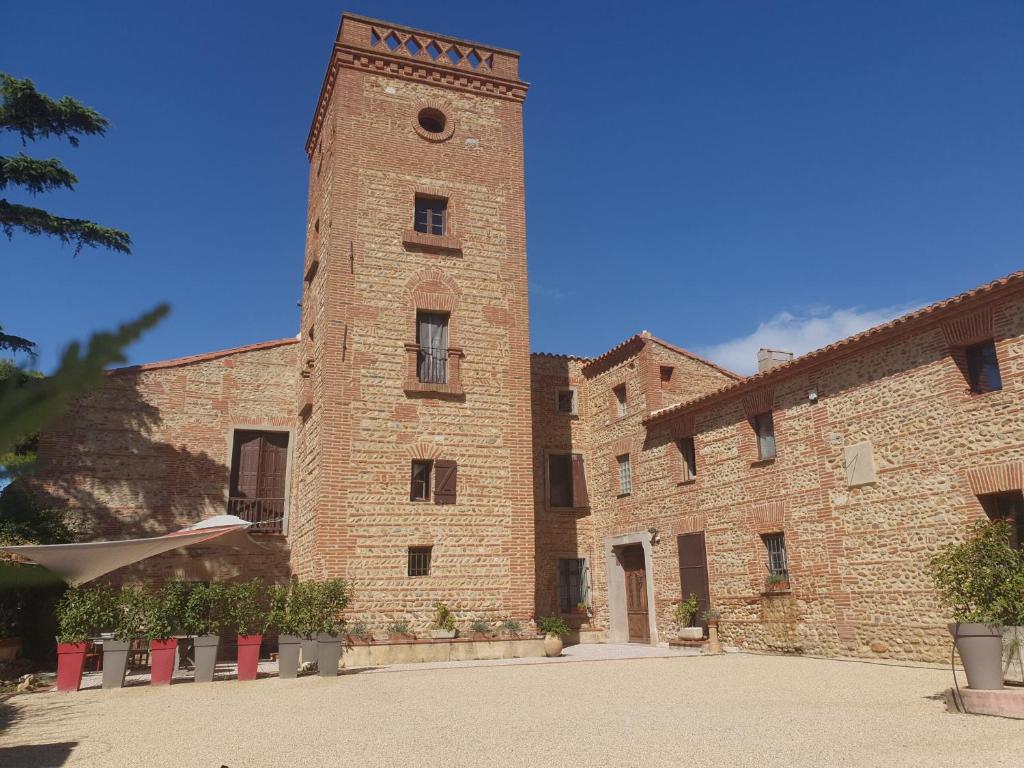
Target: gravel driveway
733,710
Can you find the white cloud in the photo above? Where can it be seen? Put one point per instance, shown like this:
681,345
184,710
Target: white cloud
799,331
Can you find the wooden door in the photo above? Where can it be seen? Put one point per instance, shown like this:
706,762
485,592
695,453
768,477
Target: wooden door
632,560
693,572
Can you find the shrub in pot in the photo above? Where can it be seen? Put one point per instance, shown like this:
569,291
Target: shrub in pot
776,582
329,600
121,623
511,629
981,582
480,630
443,626
246,612
554,630
203,618
160,615
684,614
359,634
400,631
285,618
76,623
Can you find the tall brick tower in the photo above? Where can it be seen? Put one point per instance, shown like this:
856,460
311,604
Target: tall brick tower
412,472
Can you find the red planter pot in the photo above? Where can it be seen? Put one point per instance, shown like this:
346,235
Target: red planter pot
163,658
70,663
248,656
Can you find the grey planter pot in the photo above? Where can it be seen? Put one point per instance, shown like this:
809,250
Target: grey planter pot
328,654
115,662
206,657
309,650
288,647
981,650
442,634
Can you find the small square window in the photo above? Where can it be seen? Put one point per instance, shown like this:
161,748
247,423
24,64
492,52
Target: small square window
778,563
764,426
566,400
621,404
419,561
420,482
983,368
431,215
688,451
666,375
625,475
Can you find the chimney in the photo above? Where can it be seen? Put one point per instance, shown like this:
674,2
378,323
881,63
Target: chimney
771,358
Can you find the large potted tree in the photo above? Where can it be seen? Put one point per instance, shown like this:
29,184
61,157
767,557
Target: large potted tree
329,600
247,616
120,623
285,618
161,618
554,630
443,626
204,618
981,582
75,624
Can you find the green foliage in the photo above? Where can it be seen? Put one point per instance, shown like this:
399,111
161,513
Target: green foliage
28,408
85,612
205,610
711,615
443,618
12,343
399,627
981,580
21,457
8,619
81,232
247,610
322,606
480,627
35,175
512,626
553,625
34,115
26,519
359,629
686,610
774,579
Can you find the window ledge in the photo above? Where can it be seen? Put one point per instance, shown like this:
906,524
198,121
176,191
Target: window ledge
763,462
691,481
451,388
776,592
623,495
441,243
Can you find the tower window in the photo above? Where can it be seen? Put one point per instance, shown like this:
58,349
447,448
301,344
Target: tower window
764,426
432,337
621,403
431,215
432,120
983,368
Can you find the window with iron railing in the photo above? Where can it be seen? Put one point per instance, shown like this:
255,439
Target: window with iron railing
572,583
778,563
432,357
259,468
419,560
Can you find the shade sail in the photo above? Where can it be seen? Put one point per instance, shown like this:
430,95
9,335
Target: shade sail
79,563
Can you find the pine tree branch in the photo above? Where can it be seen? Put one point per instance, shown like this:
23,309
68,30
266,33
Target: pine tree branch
35,175
28,408
36,221
12,343
35,115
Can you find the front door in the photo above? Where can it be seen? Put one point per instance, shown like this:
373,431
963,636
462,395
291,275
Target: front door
635,571
693,572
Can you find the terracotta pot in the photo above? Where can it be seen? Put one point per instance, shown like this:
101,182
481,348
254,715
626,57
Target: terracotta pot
402,638
248,656
981,650
10,647
70,663
115,662
552,645
163,658
359,639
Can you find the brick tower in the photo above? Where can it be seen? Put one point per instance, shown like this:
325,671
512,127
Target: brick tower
412,472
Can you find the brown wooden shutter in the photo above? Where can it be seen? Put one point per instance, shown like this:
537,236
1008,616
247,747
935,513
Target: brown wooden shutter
445,473
273,463
580,498
693,572
247,484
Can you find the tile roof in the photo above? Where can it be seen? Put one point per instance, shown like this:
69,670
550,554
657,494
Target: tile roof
1014,280
177,361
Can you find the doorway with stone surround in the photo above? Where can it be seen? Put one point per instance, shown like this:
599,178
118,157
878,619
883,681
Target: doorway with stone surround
630,587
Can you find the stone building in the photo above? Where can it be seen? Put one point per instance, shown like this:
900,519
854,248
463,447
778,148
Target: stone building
408,440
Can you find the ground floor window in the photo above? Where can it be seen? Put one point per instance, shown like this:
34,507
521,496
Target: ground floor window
778,563
572,583
419,560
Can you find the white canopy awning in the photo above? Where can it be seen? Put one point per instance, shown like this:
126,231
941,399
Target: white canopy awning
79,563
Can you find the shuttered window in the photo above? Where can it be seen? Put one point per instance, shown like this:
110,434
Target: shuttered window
431,215
983,368
420,482
432,337
625,475
567,481
445,477
688,451
764,426
259,462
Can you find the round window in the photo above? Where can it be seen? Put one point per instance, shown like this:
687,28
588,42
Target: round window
432,120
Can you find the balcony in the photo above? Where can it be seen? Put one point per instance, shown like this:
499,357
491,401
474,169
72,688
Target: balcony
266,515
442,377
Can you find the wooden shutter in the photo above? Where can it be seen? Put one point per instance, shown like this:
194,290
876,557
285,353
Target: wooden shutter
693,571
580,498
273,463
445,474
248,482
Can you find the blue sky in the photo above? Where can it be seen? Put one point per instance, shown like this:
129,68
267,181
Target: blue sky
723,174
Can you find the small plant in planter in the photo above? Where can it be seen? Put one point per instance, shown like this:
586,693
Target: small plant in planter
247,614
480,630
359,633
204,616
511,628
776,582
444,622
400,632
581,609
981,582
684,614
554,630
711,616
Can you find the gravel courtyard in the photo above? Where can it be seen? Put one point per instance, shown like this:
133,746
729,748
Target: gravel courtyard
735,710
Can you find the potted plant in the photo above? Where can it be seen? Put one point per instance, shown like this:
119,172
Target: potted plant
160,616
330,599
554,629
480,630
120,622
75,623
981,581
400,632
284,617
581,608
247,616
359,634
511,629
712,617
776,582
444,622
203,619
684,614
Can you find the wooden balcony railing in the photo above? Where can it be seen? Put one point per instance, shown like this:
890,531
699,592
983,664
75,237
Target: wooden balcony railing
266,515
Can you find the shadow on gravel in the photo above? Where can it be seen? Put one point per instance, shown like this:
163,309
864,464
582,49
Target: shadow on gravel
37,755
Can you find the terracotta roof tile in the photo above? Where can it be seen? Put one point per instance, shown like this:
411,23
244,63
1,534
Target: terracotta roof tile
201,358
